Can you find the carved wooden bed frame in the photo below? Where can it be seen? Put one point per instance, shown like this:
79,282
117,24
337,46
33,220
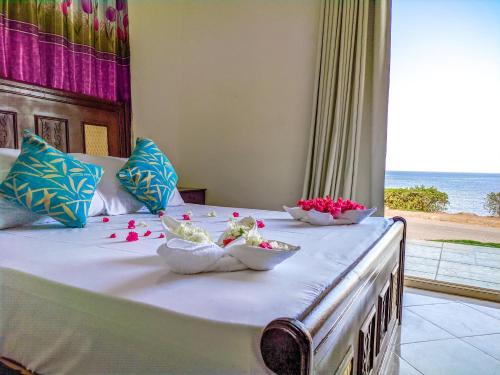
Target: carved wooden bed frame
347,331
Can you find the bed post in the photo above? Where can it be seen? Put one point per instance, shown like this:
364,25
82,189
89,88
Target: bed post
402,248
286,347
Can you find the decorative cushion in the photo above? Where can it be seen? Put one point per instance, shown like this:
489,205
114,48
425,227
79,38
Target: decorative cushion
48,181
12,214
117,200
149,175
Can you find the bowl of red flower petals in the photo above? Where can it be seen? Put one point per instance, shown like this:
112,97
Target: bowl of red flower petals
326,211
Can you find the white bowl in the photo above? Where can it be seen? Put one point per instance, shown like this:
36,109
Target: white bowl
260,259
325,218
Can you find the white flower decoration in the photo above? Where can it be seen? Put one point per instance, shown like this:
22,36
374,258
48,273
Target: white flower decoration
192,233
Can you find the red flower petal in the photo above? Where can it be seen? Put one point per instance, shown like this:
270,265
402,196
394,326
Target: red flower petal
260,224
265,245
148,233
161,213
162,235
132,236
186,217
131,226
105,219
131,222
236,214
113,235
227,241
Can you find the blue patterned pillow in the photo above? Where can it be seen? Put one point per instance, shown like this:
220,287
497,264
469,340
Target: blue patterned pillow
50,182
149,175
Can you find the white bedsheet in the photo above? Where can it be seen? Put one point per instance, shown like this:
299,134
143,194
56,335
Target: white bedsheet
75,301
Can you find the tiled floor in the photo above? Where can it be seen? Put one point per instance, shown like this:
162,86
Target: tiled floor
446,335
459,264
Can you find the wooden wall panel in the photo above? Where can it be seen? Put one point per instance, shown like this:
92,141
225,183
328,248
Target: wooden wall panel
54,131
8,129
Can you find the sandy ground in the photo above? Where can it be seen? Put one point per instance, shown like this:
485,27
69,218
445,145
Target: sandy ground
436,226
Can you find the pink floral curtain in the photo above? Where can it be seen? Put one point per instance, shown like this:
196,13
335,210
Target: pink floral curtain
80,46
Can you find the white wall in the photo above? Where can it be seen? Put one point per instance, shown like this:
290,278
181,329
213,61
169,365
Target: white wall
225,88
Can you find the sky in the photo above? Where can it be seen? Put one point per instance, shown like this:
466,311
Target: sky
444,101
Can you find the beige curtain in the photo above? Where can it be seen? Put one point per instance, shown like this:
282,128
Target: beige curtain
349,123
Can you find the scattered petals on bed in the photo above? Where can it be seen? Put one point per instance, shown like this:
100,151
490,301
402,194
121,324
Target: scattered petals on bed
105,219
236,214
186,217
260,224
132,236
148,233
112,235
131,224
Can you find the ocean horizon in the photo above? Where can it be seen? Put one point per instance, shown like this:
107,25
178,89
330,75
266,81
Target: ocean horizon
466,190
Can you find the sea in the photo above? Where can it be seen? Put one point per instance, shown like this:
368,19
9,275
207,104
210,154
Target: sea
466,191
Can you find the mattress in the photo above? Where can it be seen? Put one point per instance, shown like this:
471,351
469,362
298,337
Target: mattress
76,301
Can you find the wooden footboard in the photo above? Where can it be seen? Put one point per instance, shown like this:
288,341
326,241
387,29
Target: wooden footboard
349,328
10,367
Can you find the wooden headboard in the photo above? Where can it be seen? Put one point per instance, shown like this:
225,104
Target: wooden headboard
68,121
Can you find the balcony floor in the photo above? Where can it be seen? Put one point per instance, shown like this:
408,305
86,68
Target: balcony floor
459,264
446,335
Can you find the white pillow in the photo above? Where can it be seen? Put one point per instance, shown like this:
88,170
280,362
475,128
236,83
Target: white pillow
13,215
7,157
176,199
117,200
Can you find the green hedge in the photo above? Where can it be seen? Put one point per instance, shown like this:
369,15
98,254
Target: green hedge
418,198
492,203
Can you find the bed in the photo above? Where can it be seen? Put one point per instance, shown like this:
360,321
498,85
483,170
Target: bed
74,301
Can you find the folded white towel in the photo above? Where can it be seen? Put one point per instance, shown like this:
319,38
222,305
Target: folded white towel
188,257
227,263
